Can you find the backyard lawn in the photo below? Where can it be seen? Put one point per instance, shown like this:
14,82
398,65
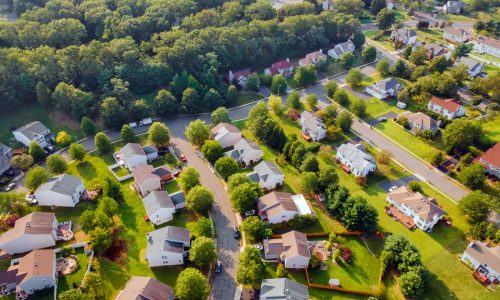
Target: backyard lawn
491,129
486,56
383,40
335,67
430,35
66,282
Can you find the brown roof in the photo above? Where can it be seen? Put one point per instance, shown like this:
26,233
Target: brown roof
449,104
455,31
276,202
488,41
492,156
145,288
34,223
229,127
40,262
422,119
273,247
294,243
418,203
484,254
143,173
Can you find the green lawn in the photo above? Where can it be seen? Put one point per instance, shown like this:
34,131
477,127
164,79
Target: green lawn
66,282
384,40
335,67
247,97
491,129
491,70
171,186
431,35
121,171
486,56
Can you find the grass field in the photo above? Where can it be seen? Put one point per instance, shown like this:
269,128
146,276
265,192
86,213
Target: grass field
66,282
491,129
383,41
335,68
431,35
486,56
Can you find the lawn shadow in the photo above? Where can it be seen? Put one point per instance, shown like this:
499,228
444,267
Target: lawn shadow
433,283
87,170
450,237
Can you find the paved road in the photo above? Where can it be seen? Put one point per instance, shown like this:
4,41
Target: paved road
224,285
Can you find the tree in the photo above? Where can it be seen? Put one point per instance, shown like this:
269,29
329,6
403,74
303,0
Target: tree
236,180
22,162
36,151
330,88
305,75
347,60
399,68
100,240
473,176
436,158
422,24
197,132
226,166
407,52
188,179
159,134
112,189
438,64
377,5
278,84
385,19
358,39
461,50
87,221
199,199
212,151
88,126
42,93
166,104
63,138
415,186
384,157
358,214
461,132
475,206
56,164
232,95
139,109
383,67
340,96
344,121
251,268
354,77
294,100
411,284
419,56
127,134
369,53
202,252
275,104
358,107
312,100
36,177
220,115
354,7
108,206
244,197
327,176
309,182
93,286
102,143
202,227
73,294
254,227
112,113
191,285
281,271
309,164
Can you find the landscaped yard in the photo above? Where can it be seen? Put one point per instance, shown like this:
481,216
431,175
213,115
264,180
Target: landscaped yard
486,56
383,40
247,97
66,282
121,171
430,35
491,129
335,68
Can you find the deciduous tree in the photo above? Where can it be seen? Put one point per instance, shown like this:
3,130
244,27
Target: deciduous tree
36,177
197,132
244,196
251,268
212,151
254,227
226,166
202,252
354,77
36,151
102,143
88,126
127,134
220,115
188,179
56,164
191,285
199,199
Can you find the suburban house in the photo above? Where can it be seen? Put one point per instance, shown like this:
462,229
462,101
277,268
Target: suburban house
475,67
5,157
64,190
145,288
488,45
491,160
424,212
34,231
33,272
453,7
312,58
434,50
179,199
283,289
267,175
337,51
164,173
484,260
312,127
159,207
132,155
239,77
403,37
420,121
355,159
226,134
327,5
449,108
385,88
277,207
167,246
146,179
283,67
34,132
455,34
291,249
246,152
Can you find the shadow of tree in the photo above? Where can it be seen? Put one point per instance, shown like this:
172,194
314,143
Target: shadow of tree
87,170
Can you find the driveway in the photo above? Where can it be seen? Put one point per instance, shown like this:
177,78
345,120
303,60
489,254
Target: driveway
386,185
389,115
224,284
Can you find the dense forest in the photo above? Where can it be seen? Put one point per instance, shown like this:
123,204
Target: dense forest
94,56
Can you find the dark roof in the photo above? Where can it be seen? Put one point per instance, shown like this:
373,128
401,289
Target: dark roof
162,171
178,197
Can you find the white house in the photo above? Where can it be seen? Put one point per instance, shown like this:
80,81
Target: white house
327,5
449,108
246,152
491,160
488,45
453,7
145,288
267,175
474,67
455,34
239,77
385,88
31,273
419,121
159,207
167,246
5,157
282,289
424,212
356,159
312,126
34,131
226,134
34,231
278,207
291,249
405,37
146,179
64,190
131,155
283,67
337,51
312,58
483,259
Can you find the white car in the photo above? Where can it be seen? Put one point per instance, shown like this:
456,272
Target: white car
393,188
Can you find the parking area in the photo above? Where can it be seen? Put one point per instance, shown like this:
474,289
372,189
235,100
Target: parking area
386,185
387,116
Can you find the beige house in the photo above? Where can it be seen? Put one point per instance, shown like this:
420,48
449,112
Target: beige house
455,34
278,207
291,249
146,179
312,58
245,151
145,288
488,45
226,134
420,121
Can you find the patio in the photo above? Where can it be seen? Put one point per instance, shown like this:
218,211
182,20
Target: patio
400,217
67,265
64,231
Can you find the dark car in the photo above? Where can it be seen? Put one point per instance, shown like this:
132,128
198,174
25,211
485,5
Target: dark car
236,233
50,148
218,267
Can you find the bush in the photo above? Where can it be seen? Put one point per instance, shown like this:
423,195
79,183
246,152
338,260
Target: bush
212,151
436,158
476,100
226,166
415,186
281,272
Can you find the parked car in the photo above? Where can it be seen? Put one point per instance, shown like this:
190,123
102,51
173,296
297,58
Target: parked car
218,267
10,172
382,119
10,186
236,233
393,188
33,201
250,213
183,157
50,148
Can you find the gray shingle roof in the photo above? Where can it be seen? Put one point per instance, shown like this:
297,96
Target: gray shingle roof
31,130
178,197
64,184
311,122
360,159
157,200
264,168
168,238
283,289
132,149
387,84
5,156
470,63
